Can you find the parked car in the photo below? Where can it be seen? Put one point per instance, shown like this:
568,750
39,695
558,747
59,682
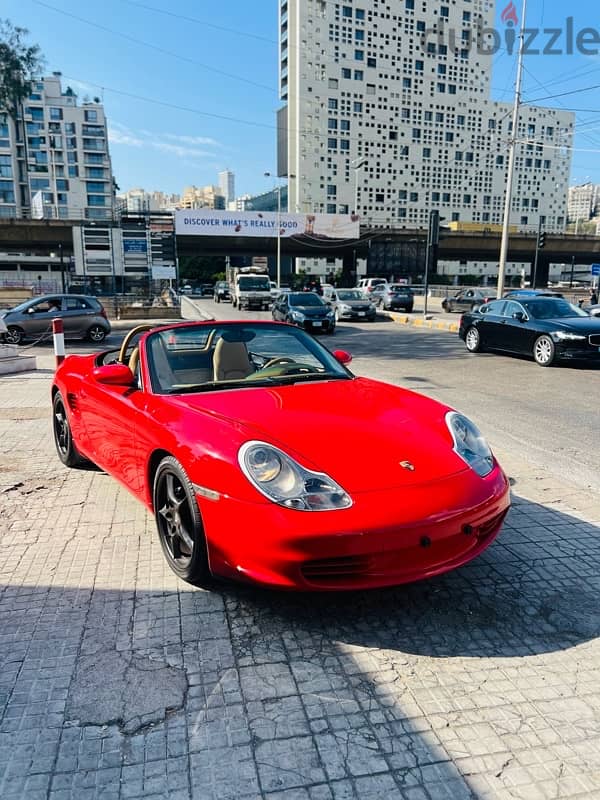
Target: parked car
305,309
397,296
350,304
221,292
206,290
368,285
83,317
466,300
345,483
593,311
547,328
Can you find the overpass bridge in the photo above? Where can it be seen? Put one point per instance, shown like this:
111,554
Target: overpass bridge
408,246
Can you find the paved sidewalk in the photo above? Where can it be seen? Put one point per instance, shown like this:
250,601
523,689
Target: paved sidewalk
119,681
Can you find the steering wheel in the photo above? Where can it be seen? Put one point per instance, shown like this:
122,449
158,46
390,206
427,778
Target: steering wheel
274,361
130,337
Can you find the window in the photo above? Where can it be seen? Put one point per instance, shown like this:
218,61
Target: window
441,87
416,133
419,66
56,113
359,55
96,187
370,88
444,11
406,83
332,103
90,115
346,11
63,185
344,144
345,124
414,197
360,13
358,74
358,107
331,209
371,62
332,83
346,73
449,136
427,152
332,144
96,200
460,120
467,199
331,190
6,167
435,197
332,124
409,5
359,35
466,16
393,136
37,114
73,172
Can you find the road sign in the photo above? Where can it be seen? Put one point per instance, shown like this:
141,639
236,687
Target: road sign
595,269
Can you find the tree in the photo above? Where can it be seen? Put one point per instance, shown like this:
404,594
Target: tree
21,63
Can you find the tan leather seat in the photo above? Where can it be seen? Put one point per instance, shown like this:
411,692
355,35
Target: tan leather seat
231,361
134,360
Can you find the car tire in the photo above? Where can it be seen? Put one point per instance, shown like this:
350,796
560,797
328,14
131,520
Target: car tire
179,523
63,438
96,334
14,335
544,351
473,340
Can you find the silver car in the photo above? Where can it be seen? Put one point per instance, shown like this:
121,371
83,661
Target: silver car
83,317
350,304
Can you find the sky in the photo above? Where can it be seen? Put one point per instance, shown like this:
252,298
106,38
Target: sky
190,88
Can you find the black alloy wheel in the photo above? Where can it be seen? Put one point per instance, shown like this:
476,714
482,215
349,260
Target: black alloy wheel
96,334
179,522
14,335
63,439
544,351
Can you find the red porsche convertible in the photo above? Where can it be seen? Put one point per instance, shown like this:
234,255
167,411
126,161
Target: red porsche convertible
264,458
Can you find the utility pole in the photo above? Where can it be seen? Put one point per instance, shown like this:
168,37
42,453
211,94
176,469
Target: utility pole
512,157
62,268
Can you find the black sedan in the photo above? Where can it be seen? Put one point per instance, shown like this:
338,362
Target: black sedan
465,300
547,328
305,309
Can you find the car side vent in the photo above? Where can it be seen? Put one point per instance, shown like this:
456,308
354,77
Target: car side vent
72,401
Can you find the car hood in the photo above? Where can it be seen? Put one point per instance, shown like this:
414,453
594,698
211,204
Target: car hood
581,325
355,303
311,311
357,431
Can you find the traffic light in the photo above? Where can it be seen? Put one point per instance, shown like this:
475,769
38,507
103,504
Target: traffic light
541,242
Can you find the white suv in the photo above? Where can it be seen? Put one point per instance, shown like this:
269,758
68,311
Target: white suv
367,285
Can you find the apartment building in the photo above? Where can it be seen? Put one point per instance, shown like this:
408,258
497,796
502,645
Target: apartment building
54,158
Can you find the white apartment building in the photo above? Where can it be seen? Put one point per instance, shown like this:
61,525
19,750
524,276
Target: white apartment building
202,197
54,160
583,202
388,114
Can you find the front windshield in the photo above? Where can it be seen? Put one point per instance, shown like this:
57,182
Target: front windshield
305,299
551,308
248,283
351,294
204,357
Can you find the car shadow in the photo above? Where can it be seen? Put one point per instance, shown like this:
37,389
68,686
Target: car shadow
504,603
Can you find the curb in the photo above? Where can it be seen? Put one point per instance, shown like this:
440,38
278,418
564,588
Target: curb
420,322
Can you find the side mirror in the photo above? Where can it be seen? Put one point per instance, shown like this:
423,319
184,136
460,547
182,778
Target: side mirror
342,356
114,375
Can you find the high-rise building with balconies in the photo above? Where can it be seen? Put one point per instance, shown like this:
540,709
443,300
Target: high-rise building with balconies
54,156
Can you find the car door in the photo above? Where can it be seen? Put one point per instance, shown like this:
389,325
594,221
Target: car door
491,323
512,334
37,320
76,314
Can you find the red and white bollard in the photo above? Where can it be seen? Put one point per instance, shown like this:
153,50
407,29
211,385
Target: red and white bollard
59,341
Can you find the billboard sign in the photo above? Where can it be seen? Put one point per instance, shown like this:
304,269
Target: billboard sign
595,269
162,272
135,245
205,222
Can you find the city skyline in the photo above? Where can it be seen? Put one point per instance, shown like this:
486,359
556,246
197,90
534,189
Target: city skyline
209,98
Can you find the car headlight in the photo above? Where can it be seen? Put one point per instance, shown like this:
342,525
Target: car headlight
565,336
469,444
298,316
345,308
284,481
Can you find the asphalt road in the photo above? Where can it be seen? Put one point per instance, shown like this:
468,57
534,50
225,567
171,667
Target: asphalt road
549,416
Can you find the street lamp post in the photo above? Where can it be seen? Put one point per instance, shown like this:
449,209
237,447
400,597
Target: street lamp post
357,164
278,188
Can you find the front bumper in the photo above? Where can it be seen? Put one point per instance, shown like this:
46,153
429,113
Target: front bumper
357,315
317,325
386,538
577,352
